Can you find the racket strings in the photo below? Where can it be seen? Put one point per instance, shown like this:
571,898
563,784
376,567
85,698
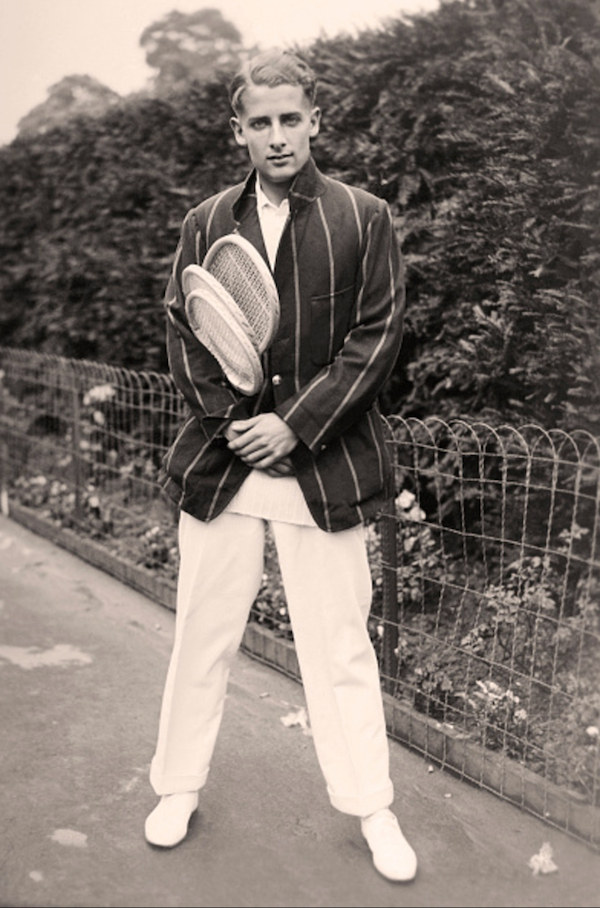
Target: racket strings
226,342
242,280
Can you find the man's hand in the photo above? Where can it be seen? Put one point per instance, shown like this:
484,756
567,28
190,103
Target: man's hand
263,442
283,467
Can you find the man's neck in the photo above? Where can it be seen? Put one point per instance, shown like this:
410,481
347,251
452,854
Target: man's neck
275,192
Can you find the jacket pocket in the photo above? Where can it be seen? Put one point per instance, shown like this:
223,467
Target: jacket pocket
330,319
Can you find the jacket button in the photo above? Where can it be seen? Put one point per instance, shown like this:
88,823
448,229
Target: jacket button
276,380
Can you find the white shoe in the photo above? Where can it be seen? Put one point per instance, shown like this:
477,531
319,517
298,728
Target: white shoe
167,825
393,857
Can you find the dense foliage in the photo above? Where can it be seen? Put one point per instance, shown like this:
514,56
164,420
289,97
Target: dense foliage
478,123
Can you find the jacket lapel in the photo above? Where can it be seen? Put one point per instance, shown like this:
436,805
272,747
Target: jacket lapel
245,216
307,186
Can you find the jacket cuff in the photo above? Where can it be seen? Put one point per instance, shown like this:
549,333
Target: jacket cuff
305,427
213,426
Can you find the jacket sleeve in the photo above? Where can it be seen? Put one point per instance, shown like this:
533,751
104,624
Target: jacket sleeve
196,373
346,388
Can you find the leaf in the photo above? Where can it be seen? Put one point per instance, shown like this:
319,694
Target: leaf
543,862
298,717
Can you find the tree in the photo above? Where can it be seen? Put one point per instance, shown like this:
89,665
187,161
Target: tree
72,96
184,47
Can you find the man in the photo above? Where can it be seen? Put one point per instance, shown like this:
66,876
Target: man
306,454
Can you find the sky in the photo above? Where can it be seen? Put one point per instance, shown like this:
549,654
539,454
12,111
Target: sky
45,40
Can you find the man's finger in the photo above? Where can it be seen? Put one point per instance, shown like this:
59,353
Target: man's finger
242,425
277,470
240,440
261,460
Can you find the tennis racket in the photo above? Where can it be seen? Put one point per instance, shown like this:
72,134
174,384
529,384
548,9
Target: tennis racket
232,306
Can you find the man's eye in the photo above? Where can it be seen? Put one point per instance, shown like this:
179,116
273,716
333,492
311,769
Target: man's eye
292,120
259,124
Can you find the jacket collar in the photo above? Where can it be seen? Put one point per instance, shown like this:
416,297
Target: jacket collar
308,184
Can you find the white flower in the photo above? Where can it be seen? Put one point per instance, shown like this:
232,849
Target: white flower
99,394
405,500
490,688
592,731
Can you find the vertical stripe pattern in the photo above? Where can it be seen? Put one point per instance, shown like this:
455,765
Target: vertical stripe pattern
340,280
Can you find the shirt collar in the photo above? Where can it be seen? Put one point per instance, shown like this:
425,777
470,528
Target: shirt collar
308,185
263,201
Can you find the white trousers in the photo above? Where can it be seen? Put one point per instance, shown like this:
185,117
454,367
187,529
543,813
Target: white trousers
327,584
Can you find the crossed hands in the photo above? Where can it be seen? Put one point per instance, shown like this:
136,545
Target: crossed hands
263,442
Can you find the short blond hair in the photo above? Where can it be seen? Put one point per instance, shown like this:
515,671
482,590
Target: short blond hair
272,67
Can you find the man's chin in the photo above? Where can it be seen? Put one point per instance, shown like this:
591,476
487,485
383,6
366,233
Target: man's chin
282,173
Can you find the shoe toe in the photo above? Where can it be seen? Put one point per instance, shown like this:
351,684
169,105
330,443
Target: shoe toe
393,856
399,866
167,825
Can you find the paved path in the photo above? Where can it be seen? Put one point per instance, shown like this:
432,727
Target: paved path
82,665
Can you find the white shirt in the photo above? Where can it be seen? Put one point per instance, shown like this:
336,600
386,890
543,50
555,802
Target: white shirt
272,219
261,495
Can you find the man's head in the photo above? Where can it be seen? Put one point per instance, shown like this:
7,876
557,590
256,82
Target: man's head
271,68
273,98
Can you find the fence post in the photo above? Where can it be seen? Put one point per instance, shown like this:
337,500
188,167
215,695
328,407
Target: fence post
76,443
4,454
389,583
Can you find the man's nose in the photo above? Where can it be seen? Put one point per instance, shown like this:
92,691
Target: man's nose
277,135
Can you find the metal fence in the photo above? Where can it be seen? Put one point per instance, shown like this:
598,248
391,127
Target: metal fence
82,443
486,569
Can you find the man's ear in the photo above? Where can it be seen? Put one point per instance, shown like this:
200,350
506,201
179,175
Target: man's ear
237,131
315,121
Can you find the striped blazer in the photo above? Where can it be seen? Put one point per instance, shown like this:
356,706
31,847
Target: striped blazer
340,280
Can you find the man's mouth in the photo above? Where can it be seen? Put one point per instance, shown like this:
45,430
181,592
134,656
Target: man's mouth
279,158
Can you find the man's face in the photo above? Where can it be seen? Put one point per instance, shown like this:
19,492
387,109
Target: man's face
276,125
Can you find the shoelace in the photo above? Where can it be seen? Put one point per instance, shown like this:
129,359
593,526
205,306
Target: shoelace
380,822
